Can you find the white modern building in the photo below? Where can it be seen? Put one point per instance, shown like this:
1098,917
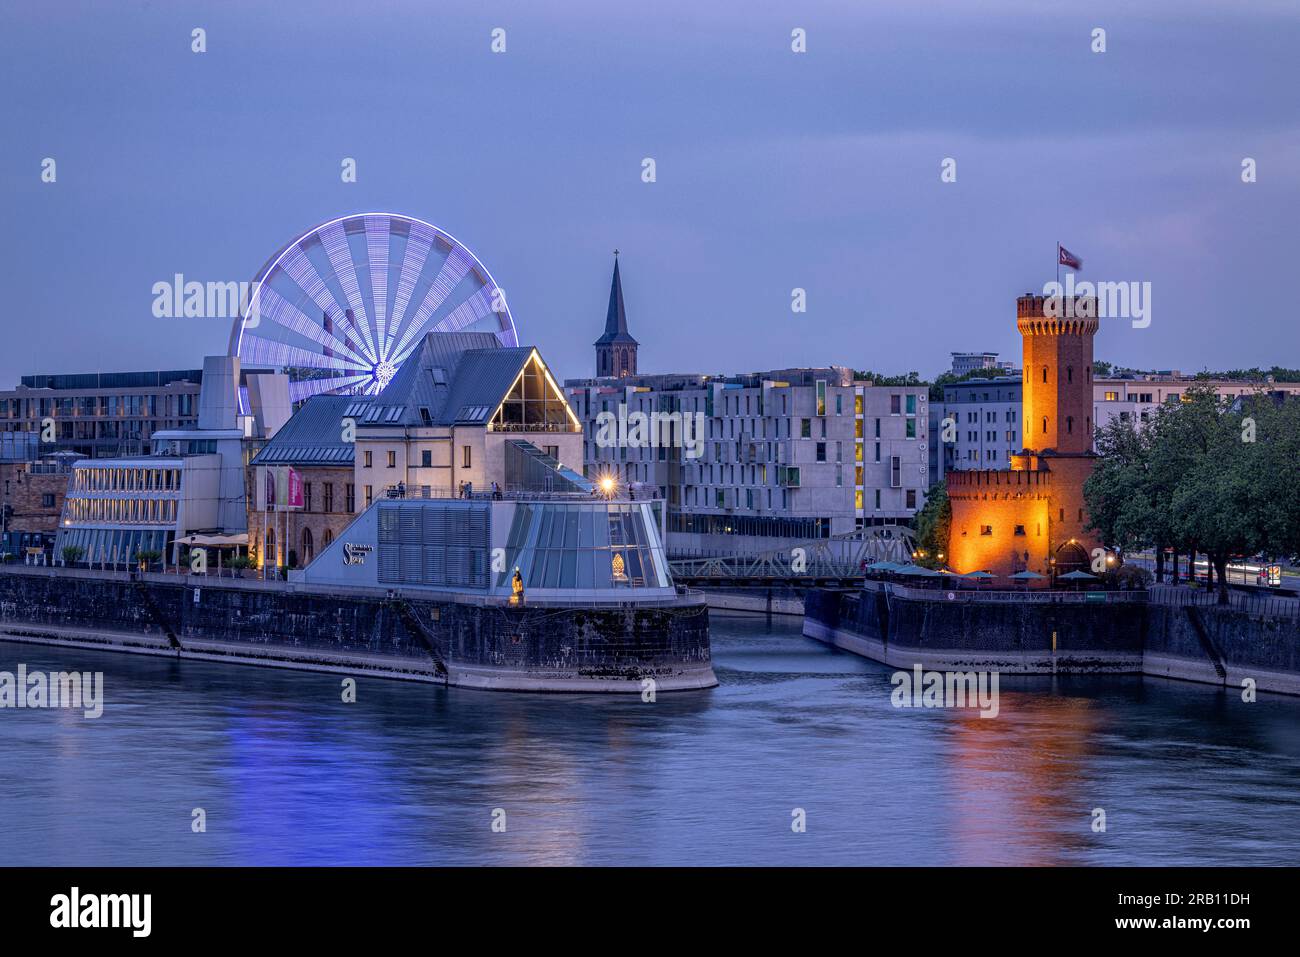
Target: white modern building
758,461
191,482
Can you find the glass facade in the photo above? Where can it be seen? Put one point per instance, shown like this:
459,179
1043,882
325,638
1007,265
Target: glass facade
108,510
534,404
585,545
115,545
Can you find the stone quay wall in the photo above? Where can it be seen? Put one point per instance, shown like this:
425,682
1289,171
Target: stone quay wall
1210,644
452,640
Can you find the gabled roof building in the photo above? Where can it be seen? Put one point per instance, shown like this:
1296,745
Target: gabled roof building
444,421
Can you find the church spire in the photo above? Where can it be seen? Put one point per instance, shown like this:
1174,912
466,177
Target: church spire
616,349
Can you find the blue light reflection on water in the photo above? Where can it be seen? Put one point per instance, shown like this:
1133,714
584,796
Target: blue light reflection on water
410,774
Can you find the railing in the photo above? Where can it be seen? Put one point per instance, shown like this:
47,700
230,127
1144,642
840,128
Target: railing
533,427
1028,596
1259,606
515,494
840,556
680,596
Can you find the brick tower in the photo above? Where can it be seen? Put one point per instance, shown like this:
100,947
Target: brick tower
1032,516
1058,378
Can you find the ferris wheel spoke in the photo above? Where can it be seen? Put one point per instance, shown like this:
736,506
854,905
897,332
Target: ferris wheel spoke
274,307
476,307
258,351
305,388
335,240
454,269
378,236
467,313
419,243
300,269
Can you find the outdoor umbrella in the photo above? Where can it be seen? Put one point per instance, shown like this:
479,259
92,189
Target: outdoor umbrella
916,571
1026,577
1076,576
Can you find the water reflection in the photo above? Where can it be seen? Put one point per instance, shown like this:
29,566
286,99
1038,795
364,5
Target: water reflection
411,774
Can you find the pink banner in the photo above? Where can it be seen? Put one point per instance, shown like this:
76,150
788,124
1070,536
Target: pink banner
294,497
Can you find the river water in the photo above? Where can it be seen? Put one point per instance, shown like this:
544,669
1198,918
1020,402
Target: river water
287,773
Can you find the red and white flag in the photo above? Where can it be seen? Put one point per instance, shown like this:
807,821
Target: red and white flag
1066,258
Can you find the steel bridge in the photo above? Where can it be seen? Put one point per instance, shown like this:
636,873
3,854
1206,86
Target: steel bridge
838,558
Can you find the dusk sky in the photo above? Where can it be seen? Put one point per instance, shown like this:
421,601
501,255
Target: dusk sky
775,170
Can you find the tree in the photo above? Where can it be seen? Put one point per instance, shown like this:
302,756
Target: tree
907,378
1274,472
933,524
72,554
1202,476
1121,505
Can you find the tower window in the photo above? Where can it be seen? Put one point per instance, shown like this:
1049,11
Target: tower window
1069,424
1044,425
1069,373
1044,373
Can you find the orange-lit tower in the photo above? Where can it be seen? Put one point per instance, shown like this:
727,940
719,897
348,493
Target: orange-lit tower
1032,516
1057,398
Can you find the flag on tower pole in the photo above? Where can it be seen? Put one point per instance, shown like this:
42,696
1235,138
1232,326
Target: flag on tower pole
1066,258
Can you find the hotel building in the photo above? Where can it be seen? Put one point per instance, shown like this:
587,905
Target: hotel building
784,456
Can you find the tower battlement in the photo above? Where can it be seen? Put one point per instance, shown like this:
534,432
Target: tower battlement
1030,306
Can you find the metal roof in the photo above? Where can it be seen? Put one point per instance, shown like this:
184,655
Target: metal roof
454,378
314,434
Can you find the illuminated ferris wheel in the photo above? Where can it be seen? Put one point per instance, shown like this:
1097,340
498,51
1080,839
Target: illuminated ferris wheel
340,307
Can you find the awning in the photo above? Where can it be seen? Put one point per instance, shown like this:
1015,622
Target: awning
214,541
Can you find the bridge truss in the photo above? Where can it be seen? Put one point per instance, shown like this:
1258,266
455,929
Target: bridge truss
840,556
